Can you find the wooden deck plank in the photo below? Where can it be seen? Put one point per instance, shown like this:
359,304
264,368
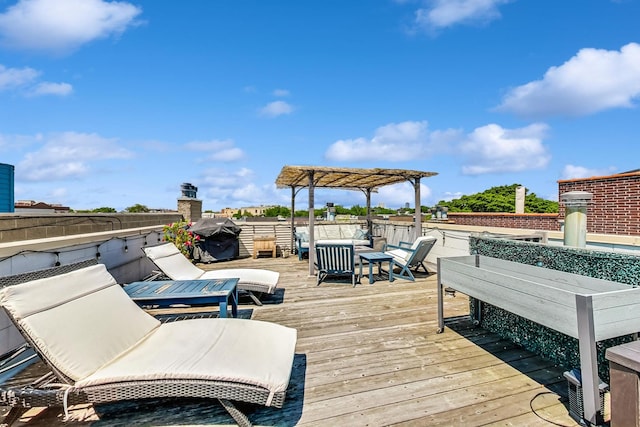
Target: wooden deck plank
370,355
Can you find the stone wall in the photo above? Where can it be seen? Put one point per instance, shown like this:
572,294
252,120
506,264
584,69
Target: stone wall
17,227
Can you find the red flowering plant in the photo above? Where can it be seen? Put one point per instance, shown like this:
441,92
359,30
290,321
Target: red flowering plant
181,236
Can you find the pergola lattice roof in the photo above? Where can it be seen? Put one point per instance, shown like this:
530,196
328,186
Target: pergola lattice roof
346,178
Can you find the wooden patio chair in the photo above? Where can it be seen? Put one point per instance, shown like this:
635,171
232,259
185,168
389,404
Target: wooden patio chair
410,256
335,259
102,347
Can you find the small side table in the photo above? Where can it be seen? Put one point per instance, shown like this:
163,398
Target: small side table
165,293
376,258
264,244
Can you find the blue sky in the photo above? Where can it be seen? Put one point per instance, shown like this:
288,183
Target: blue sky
116,103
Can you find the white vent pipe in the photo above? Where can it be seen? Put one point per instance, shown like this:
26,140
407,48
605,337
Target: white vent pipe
575,222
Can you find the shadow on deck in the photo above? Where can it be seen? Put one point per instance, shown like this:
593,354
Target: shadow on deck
369,355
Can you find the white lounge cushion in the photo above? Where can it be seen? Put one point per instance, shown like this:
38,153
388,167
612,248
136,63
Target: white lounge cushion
253,276
90,330
333,242
245,351
399,256
175,265
79,320
402,257
172,262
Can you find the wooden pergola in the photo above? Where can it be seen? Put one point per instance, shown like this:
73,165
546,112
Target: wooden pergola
365,180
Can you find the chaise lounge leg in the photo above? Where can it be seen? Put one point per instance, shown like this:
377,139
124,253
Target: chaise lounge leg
241,419
12,416
254,298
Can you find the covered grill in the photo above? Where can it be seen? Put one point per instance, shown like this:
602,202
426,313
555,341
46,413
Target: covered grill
218,240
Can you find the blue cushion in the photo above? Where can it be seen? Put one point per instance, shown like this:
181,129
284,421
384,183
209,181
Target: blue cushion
361,234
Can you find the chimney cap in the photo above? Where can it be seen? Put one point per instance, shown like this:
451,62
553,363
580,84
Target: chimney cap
573,198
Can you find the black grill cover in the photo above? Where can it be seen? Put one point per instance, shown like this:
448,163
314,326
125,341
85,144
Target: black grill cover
218,240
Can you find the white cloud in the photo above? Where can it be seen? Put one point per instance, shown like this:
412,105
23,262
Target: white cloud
573,172
68,155
447,196
393,142
25,80
219,150
236,188
276,108
281,92
396,196
46,88
446,13
494,149
593,80
16,77
61,26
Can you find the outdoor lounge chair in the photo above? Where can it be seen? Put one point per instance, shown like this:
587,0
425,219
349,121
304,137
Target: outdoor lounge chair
410,256
102,347
172,263
335,259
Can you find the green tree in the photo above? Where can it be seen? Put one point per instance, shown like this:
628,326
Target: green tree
383,211
137,208
358,210
104,210
499,199
277,211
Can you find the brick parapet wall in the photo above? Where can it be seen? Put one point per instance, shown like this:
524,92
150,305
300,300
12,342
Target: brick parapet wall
529,221
615,207
17,227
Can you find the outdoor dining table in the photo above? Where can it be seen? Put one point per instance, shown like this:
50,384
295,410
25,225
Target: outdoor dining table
167,293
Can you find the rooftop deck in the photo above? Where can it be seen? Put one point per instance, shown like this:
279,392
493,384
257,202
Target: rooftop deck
370,355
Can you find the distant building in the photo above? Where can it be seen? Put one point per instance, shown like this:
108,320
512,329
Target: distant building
6,187
252,210
228,212
31,206
255,210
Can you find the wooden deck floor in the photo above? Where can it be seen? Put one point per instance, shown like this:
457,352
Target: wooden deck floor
370,356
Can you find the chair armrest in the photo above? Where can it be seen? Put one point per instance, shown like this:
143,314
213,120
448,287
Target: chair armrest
398,247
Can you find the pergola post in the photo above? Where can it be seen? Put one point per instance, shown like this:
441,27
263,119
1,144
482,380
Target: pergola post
418,213
293,218
369,221
312,217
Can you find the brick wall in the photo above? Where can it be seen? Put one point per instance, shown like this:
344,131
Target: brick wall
528,221
615,207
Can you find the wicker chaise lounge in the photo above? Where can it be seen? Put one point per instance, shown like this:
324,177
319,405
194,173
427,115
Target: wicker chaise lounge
102,347
174,265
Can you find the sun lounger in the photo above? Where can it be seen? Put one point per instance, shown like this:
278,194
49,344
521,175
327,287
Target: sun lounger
102,347
176,266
